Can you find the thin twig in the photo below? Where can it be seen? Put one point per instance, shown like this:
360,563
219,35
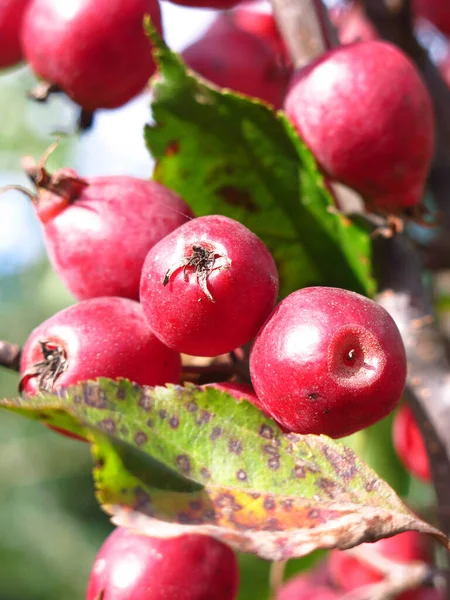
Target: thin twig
9,356
277,569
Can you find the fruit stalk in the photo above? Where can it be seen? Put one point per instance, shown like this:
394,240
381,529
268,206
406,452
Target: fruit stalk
9,355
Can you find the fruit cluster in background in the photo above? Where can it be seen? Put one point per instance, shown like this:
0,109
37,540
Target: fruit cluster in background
156,285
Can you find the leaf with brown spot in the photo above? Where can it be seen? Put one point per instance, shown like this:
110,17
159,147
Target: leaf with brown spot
260,490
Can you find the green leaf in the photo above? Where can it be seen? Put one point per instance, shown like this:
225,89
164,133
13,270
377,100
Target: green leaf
228,154
172,460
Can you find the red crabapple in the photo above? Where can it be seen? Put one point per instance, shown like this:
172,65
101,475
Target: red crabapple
365,113
99,230
208,286
189,567
232,58
409,444
96,51
253,18
328,361
11,15
435,11
349,573
102,337
352,24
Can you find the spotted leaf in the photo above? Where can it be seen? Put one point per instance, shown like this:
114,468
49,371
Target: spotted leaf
172,460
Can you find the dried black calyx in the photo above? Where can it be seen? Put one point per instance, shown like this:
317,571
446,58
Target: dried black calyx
49,369
202,261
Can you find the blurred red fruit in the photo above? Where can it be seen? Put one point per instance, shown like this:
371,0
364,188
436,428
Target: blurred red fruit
232,58
11,15
435,11
254,19
188,567
409,444
352,24
348,573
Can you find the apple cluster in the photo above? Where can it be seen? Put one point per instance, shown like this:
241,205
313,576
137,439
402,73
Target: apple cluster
153,282
361,108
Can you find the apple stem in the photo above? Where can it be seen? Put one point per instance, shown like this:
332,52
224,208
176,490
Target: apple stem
10,356
277,570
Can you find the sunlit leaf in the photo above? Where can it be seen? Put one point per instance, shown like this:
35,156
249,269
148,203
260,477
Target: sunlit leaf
172,460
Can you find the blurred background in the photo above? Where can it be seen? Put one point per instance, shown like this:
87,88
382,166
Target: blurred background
50,524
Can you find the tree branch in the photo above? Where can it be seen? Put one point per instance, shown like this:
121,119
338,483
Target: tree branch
9,356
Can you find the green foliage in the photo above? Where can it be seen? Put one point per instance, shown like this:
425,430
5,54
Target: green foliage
228,154
189,457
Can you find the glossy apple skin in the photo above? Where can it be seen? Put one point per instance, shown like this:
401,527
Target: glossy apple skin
233,58
347,572
244,288
96,51
364,131
102,337
11,15
189,567
409,444
328,361
98,236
